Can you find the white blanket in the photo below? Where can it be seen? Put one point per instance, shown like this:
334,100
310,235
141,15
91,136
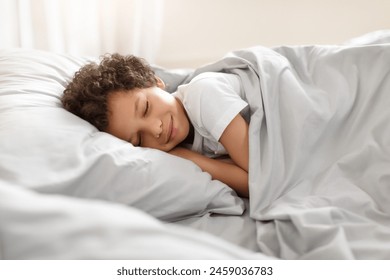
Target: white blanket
319,148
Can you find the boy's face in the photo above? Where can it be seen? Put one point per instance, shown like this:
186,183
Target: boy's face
149,117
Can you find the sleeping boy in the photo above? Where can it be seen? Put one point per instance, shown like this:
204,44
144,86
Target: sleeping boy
202,121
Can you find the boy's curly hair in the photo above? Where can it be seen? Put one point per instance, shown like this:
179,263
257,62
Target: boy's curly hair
86,95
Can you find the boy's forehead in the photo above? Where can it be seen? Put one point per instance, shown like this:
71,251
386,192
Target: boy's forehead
120,100
120,113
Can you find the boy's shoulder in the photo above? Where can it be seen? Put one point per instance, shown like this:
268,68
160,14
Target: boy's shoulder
212,80
202,85
205,76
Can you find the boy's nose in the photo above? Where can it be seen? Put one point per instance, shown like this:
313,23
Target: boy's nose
155,128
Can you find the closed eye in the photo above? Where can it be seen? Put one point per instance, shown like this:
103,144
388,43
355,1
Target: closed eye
146,108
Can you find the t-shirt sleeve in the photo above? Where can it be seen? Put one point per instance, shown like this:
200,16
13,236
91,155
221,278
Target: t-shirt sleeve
215,101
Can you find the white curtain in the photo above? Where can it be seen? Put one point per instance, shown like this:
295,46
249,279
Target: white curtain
83,27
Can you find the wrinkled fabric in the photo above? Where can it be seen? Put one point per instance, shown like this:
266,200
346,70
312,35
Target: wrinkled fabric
319,140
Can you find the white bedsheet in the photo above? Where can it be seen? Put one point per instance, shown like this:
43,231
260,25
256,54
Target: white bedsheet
237,229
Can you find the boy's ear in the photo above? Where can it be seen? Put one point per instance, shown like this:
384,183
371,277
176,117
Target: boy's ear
160,83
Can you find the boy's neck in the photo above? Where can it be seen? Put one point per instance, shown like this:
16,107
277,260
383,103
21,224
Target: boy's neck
190,137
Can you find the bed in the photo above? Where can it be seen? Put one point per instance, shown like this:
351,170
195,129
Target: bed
319,165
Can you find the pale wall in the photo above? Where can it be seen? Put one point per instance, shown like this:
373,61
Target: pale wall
199,31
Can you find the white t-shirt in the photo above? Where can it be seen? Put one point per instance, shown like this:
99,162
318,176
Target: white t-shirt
212,100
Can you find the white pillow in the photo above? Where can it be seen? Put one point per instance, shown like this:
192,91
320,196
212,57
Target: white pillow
50,150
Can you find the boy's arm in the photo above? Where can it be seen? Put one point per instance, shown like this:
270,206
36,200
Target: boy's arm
228,173
235,140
